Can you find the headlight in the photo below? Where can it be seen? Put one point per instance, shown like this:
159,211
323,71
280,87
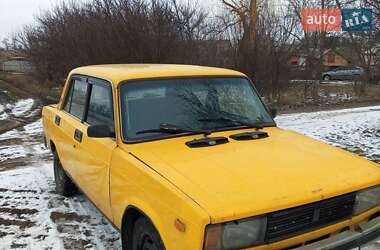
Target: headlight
367,199
235,235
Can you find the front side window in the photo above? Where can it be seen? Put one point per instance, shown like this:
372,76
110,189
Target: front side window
76,98
100,109
194,104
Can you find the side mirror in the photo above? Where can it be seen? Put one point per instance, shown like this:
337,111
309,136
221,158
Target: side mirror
99,131
273,113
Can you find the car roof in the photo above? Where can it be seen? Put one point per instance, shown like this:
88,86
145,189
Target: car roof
117,73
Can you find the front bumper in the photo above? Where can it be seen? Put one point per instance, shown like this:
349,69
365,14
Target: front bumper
363,233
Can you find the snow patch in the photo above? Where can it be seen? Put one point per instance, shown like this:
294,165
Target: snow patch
46,220
23,146
34,128
22,107
11,152
3,114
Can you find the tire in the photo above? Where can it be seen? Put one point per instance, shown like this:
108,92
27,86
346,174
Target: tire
145,236
63,184
326,78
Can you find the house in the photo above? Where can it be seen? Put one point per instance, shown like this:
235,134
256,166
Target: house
16,64
331,59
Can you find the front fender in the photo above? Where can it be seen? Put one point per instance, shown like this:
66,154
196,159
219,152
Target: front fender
133,183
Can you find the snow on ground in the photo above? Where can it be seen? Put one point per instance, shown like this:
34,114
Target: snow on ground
22,107
33,216
4,111
23,147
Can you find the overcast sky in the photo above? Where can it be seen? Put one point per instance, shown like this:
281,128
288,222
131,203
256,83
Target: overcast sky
14,14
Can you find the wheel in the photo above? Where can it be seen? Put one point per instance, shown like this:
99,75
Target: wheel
327,78
145,236
63,184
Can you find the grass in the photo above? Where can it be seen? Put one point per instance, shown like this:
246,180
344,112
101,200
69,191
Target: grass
300,97
25,86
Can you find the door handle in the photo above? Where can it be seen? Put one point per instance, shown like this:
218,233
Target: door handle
78,135
57,120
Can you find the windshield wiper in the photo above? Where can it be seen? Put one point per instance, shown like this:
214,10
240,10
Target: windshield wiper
173,129
237,122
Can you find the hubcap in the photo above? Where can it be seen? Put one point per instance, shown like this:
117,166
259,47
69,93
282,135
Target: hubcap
147,244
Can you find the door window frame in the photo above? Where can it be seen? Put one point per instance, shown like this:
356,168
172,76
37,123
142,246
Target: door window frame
69,92
90,81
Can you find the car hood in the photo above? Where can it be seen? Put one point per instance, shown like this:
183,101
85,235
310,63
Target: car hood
247,178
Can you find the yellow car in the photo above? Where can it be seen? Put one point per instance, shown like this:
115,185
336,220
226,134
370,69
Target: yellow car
185,157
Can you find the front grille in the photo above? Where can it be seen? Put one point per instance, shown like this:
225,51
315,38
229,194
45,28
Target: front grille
302,219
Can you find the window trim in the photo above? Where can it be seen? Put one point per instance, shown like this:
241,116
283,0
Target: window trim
137,141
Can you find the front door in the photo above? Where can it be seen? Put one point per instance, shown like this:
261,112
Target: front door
95,166
89,160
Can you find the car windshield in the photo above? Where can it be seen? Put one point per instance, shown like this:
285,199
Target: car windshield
189,104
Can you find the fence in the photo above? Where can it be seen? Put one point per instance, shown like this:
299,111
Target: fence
16,66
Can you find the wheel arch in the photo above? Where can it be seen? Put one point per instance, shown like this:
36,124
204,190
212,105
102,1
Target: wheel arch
52,146
131,214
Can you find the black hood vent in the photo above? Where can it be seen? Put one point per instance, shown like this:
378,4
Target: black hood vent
207,142
250,136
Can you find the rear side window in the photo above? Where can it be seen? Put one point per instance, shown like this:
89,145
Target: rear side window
76,98
100,109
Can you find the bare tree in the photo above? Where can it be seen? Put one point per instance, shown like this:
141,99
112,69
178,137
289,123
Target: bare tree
363,43
264,55
112,31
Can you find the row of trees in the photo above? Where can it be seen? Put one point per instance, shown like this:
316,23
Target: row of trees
112,31
256,37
